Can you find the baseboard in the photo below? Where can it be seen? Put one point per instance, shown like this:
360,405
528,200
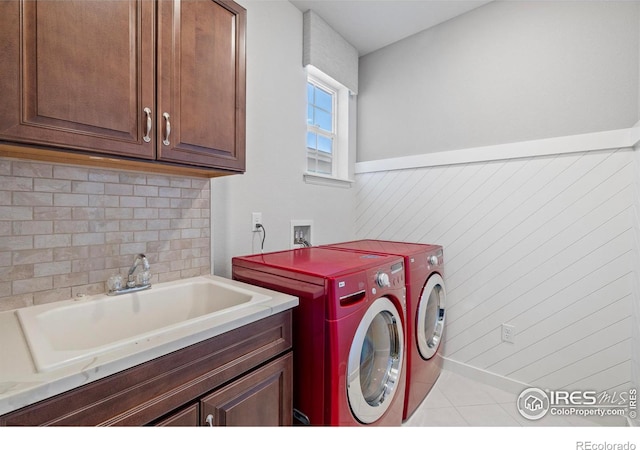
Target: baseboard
483,376
516,387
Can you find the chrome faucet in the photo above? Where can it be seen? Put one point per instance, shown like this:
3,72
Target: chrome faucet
131,281
115,282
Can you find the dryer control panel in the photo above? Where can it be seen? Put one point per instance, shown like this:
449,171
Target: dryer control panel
388,280
391,276
355,290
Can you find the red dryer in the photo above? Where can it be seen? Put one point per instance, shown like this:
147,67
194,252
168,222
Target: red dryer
348,331
426,299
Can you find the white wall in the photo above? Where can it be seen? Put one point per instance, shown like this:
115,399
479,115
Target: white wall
505,72
546,243
276,137
541,243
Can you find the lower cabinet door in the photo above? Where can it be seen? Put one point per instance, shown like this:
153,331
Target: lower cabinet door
260,398
185,417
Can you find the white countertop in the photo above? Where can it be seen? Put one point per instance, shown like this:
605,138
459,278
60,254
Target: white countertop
21,384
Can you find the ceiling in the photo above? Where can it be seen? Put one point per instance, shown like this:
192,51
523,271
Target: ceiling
369,25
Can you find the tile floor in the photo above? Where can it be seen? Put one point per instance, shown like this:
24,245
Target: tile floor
459,401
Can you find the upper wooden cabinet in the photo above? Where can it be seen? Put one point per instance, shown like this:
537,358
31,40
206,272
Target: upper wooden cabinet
201,83
157,81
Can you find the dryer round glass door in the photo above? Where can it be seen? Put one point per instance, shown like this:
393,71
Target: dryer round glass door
430,320
375,361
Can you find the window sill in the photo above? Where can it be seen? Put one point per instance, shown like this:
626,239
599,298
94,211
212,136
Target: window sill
324,180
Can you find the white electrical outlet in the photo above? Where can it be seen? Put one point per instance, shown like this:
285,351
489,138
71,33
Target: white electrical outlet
256,218
508,333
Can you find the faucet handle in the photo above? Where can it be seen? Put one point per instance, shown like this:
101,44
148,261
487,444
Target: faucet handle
114,282
143,278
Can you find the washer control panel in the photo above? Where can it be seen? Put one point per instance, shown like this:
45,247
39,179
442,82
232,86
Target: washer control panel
435,259
387,277
382,279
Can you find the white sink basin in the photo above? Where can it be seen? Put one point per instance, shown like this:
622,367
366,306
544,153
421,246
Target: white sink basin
65,332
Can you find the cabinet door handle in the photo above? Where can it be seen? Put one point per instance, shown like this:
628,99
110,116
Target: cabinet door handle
209,420
147,136
167,128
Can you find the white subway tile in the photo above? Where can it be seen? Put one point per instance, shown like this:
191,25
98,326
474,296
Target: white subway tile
32,227
32,169
60,223
118,213
55,295
16,242
5,259
87,187
181,182
104,176
52,268
70,199
70,173
51,185
118,189
32,256
71,226
145,191
16,212
88,239
31,285
32,199
52,241
133,202
133,225
87,213
16,183
51,213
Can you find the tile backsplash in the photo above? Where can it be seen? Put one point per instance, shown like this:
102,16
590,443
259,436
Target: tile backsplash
64,229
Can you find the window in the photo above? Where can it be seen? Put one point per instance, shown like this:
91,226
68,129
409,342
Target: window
327,149
321,128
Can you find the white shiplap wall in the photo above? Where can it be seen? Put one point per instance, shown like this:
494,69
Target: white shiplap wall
544,243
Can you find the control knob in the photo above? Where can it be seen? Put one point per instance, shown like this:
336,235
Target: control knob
382,279
433,260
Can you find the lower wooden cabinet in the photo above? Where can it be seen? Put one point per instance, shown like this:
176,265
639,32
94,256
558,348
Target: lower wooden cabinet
242,377
188,416
262,397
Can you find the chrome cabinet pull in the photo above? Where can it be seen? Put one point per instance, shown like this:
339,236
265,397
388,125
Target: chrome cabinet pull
147,136
167,129
209,420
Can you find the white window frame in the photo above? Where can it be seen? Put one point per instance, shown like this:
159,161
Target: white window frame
341,126
332,135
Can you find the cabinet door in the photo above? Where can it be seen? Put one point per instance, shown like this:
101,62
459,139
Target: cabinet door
201,83
261,398
78,74
186,417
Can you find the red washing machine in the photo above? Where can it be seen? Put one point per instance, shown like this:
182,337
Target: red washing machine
348,331
426,297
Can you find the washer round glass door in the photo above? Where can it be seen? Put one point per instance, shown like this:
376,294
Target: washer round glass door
430,320
375,361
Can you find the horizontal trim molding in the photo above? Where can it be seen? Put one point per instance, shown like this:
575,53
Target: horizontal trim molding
604,140
322,180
